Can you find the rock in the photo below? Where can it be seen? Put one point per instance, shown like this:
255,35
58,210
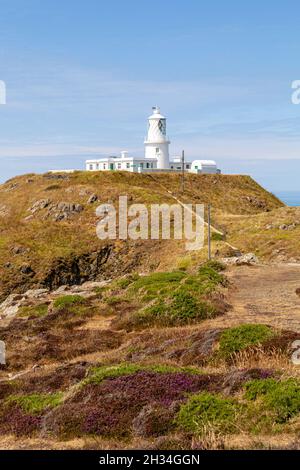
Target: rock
39,205
257,203
84,192
287,227
28,218
11,187
93,198
60,290
247,259
18,250
3,210
74,270
153,420
69,207
10,306
91,285
236,378
36,293
64,210
26,269
202,345
56,176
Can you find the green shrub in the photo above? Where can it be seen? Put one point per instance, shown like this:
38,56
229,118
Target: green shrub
281,398
208,273
66,301
207,410
158,281
36,403
239,338
182,308
216,265
172,298
100,373
217,237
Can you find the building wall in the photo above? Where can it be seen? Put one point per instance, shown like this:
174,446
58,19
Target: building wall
119,165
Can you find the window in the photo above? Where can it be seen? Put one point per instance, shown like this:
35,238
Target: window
127,165
97,166
119,166
162,126
172,167
104,166
91,167
187,167
178,168
148,165
157,150
142,165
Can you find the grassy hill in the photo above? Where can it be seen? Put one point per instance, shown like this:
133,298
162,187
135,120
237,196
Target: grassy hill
48,237
153,355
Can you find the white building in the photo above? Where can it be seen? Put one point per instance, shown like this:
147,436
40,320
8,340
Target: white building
156,157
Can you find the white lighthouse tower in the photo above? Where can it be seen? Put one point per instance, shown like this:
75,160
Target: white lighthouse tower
157,143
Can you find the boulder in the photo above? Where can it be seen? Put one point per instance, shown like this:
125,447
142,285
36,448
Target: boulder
247,259
36,293
40,204
93,198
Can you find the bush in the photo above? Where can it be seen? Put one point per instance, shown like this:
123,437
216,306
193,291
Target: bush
216,265
239,338
172,298
66,301
207,410
217,237
35,403
33,311
281,398
100,373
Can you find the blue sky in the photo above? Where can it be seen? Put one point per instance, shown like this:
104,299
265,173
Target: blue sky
82,77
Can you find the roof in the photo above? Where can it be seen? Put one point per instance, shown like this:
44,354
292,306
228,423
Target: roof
206,162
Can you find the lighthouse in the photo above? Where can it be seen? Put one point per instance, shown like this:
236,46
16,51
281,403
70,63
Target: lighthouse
157,143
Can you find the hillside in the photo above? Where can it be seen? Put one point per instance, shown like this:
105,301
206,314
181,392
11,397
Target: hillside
140,344
43,215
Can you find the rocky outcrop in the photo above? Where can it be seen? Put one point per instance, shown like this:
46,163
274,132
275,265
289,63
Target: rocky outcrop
56,211
247,259
93,198
78,269
9,308
39,205
257,203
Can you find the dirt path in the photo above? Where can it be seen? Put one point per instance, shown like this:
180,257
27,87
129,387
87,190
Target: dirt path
264,294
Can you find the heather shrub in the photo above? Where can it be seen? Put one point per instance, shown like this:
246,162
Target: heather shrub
234,340
15,421
108,408
208,410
